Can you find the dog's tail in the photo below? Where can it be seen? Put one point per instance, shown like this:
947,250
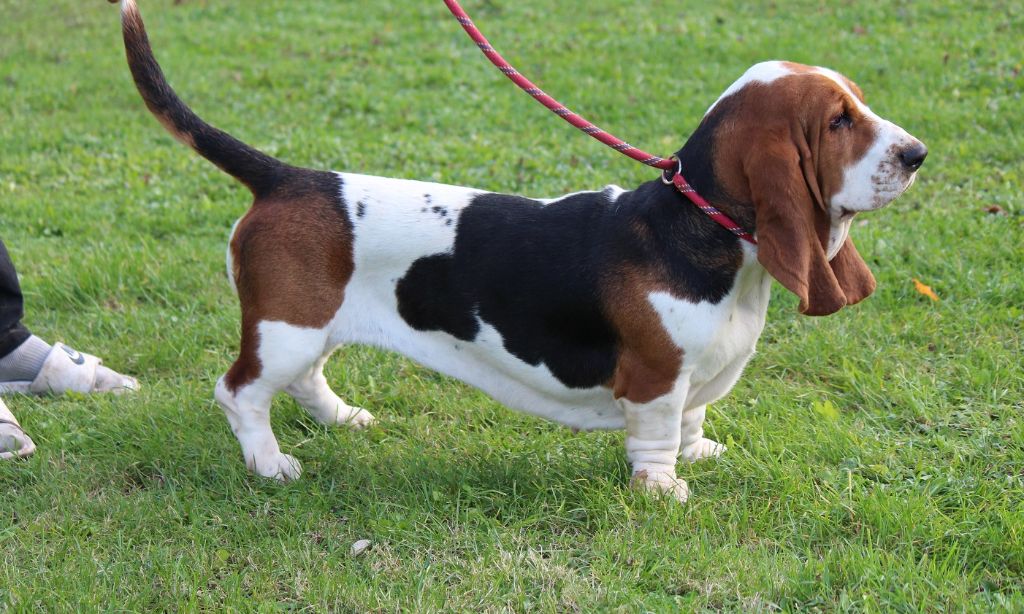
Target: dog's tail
258,171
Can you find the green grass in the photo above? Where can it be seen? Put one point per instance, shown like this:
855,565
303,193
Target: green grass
876,457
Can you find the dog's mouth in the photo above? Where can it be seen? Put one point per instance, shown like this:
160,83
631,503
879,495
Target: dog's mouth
882,198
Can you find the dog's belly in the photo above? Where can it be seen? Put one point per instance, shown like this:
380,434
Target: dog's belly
369,317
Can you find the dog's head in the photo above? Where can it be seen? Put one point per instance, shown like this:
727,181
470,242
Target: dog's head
798,146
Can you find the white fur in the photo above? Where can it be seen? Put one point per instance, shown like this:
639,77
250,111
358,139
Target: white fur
877,178
718,340
693,446
291,359
762,72
653,437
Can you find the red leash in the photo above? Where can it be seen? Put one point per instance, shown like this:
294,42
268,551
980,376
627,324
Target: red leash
615,143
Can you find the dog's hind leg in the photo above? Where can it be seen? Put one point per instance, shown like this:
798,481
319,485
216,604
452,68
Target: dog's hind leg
313,393
248,413
289,258
273,355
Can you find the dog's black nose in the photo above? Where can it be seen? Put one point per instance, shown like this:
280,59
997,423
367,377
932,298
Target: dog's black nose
913,157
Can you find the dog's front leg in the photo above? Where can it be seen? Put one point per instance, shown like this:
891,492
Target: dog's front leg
652,442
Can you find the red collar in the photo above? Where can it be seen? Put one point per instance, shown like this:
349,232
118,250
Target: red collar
722,219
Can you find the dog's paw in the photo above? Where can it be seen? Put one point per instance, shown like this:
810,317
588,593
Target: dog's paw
356,418
280,466
661,483
339,413
702,448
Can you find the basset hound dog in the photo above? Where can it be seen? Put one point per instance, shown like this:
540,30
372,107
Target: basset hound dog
603,309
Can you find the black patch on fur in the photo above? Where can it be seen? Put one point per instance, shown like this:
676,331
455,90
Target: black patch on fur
538,273
360,209
297,183
697,257
440,211
431,298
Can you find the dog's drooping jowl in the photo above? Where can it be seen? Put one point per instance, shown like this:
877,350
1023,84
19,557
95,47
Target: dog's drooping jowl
606,309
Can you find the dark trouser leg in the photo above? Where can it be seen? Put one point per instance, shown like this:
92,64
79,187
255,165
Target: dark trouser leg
12,332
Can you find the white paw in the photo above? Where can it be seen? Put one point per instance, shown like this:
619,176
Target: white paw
662,483
282,467
338,413
702,448
355,417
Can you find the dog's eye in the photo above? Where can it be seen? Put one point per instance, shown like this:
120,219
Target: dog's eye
843,120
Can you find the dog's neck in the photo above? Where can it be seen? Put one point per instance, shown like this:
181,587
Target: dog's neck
698,168
698,163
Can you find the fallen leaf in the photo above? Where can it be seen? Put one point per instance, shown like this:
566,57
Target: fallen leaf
925,290
826,409
360,547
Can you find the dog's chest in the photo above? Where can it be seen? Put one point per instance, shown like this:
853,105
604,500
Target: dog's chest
717,340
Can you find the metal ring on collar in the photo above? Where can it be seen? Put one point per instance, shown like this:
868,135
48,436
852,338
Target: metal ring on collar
665,178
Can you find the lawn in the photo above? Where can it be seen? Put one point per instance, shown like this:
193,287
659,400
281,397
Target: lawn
876,457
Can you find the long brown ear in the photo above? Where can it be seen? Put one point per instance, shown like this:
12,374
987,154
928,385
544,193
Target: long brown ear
853,273
792,229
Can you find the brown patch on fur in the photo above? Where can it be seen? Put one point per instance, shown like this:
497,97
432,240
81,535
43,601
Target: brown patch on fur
649,361
292,256
781,155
